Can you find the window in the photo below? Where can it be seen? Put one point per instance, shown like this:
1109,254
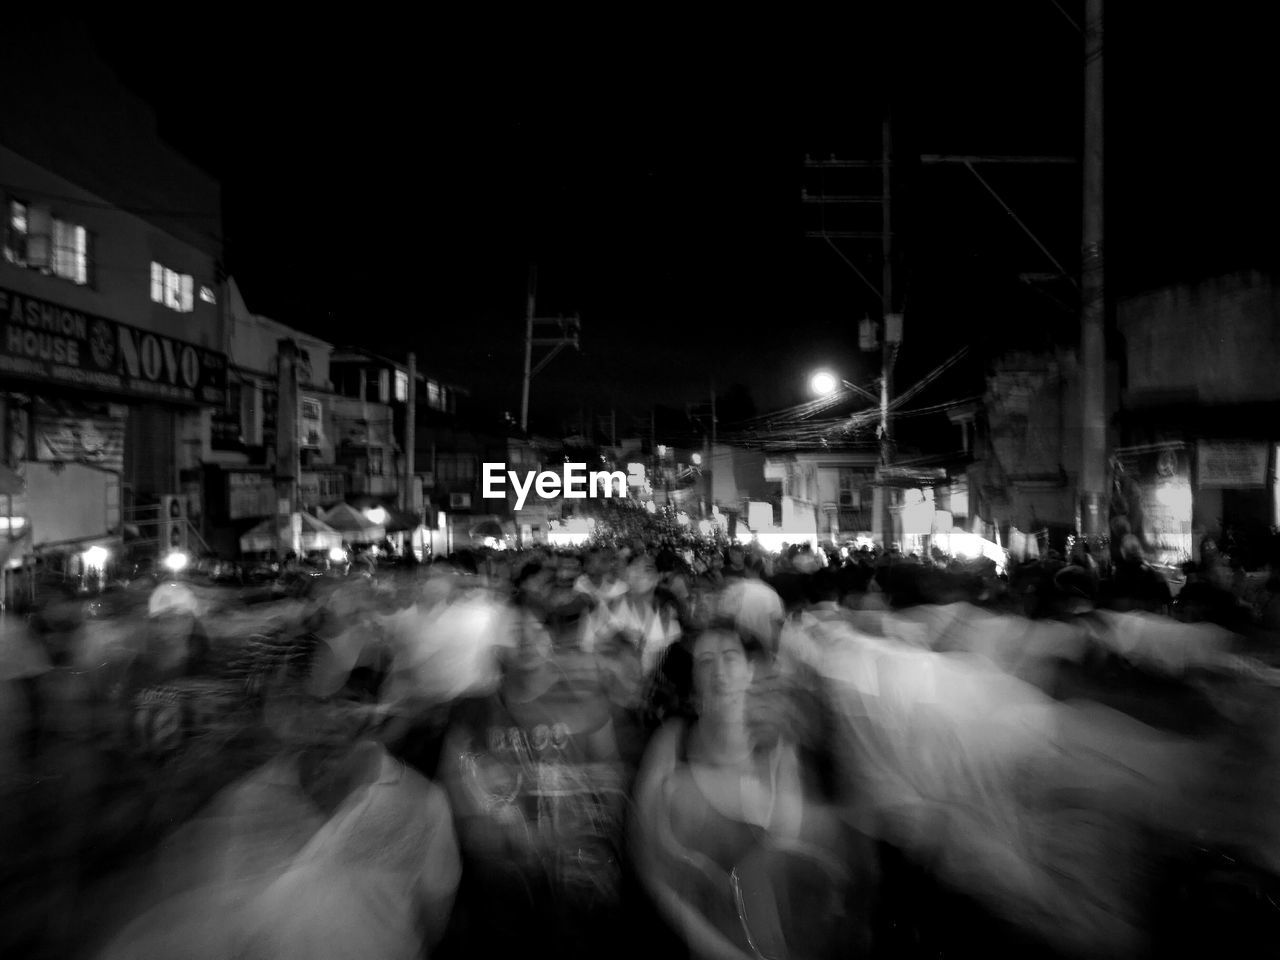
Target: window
34,238
174,290
331,487
846,488
402,386
311,432
452,467
16,234
435,395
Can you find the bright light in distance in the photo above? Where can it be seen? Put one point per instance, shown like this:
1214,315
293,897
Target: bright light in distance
697,459
376,515
823,383
176,561
745,536
95,558
12,523
337,554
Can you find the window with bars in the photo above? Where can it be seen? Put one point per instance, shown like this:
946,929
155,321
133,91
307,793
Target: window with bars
35,238
452,467
175,290
848,488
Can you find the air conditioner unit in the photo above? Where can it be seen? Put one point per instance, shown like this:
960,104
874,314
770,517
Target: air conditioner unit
459,501
173,523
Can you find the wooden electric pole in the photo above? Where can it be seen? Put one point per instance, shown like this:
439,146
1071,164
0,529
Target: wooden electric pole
567,336
1093,357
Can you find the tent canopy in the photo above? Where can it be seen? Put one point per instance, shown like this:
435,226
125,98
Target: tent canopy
354,525
316,535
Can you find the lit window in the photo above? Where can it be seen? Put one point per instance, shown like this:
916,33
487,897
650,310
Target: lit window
34,238
206,294
70,252
402,386
175,290
16,233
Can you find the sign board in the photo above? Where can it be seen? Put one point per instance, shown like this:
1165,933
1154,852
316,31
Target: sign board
1237,465
250,495
1157,495
80,433
53,344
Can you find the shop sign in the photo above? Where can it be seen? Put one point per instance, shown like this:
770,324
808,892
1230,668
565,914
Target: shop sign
1221,464
50,343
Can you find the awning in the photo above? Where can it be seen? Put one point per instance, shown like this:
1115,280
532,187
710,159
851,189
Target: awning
354,525
316,535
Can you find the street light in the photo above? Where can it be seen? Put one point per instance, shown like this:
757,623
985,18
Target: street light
823,383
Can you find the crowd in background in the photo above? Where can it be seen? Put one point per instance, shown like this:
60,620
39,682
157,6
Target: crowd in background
649,750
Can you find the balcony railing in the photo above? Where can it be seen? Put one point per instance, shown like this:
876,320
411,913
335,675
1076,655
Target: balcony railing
852,519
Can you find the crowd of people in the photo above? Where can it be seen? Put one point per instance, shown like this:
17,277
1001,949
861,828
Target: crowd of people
642,750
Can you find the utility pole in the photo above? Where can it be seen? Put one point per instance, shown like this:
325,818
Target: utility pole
287,451
528,347
1093,465
711,455
407,500
568,327
891,323
882,524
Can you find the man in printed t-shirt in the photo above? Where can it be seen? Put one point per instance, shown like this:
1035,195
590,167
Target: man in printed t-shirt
534,778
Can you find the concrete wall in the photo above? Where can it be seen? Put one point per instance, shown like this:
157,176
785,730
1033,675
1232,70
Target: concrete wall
1218,341
737,475
122,248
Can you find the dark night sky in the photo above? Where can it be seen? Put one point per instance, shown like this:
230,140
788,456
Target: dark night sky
388,183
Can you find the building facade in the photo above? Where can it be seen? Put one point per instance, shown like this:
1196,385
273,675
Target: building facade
113,340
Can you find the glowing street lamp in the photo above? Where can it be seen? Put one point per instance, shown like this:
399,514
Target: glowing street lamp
376,515
95,558
823,383
176,562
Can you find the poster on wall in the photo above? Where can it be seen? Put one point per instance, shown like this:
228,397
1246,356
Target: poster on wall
1153,495
250,495
89,433
1234,465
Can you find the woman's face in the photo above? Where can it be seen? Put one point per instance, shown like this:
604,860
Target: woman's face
642,575
721,671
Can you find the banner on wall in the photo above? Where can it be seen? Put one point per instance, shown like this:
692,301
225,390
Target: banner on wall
1234,465
1156,497
89,433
